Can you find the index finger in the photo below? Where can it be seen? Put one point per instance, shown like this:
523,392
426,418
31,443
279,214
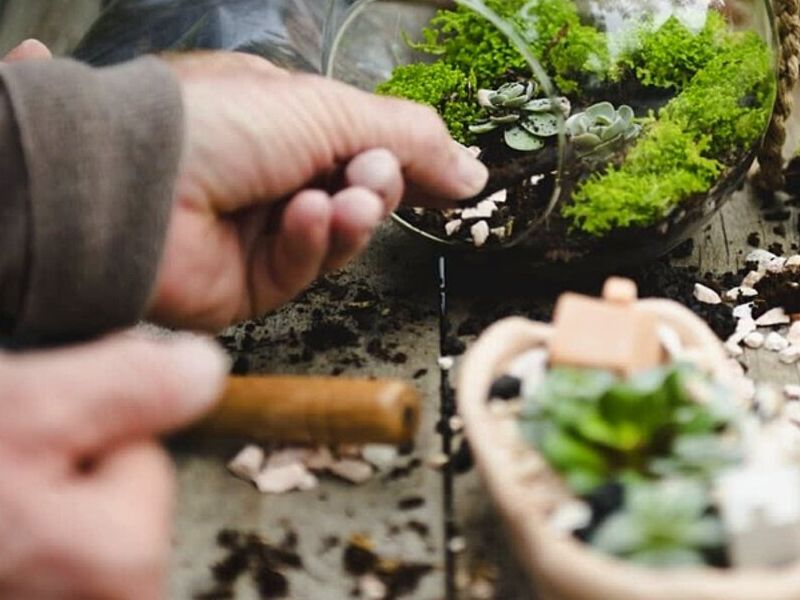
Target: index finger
433,163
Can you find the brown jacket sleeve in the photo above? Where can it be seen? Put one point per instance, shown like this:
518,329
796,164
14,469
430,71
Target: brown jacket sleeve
88,160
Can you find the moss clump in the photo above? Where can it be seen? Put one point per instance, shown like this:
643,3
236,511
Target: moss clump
442,86
722,110
470,43
571,53
668,57
666,166
731,98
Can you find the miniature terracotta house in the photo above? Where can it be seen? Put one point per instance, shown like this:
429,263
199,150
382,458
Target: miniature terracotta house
608,333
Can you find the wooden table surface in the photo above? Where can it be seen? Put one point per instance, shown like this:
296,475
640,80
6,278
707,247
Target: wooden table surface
391,294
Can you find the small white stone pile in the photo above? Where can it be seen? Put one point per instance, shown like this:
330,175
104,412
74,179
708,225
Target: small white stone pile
775,330
297,468
477,219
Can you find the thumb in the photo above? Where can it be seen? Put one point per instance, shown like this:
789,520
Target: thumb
121,389
28,50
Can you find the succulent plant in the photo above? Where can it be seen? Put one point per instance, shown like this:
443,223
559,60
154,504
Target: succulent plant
601,130
527,120
663,524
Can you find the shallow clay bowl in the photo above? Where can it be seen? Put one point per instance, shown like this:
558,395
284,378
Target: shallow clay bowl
525,490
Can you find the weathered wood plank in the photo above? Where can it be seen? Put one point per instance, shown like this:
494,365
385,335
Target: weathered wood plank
401,273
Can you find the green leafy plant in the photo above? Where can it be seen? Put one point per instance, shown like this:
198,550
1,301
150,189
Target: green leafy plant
441,86
724,108
669,56
601,130
663,524
590,424
663,168
527,121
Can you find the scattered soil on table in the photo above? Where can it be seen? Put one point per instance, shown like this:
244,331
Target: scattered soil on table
778,289
249,554
400,578
348,321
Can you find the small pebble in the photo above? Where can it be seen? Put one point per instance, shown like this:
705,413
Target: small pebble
776,316
775,342
438,460
570,516
790,355
754,340
480,233
499,197
371,587
535,179
453,227
456,424
320,459
752,278
506,387
283,479
354,471
446,362
792,391
743,311
481,589
457,545
248,463
706,295
499,232
528,363
793,261
776,265
380,456
760,257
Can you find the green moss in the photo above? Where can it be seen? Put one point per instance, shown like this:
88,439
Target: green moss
441,86
568,50
665,167
731,98
468,42
572,53
668,57
721,113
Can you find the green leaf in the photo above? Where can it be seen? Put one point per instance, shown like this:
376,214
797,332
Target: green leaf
542,125
483,127
620,534
519,139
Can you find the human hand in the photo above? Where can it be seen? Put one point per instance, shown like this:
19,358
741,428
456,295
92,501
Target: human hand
85,498
255,220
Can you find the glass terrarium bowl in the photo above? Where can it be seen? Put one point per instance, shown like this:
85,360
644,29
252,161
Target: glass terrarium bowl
635,123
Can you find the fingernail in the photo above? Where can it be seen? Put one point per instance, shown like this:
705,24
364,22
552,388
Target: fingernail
472,172
205,366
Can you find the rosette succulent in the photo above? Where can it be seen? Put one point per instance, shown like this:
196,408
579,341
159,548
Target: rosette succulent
601,130
528,121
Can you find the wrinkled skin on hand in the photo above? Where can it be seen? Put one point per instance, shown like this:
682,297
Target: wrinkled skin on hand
257,217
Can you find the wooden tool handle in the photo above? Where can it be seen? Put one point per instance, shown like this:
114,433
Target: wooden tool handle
316,410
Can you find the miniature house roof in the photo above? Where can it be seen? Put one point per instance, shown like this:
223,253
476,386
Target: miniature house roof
608,333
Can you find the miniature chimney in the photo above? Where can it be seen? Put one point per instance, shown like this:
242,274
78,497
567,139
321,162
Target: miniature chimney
605,334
